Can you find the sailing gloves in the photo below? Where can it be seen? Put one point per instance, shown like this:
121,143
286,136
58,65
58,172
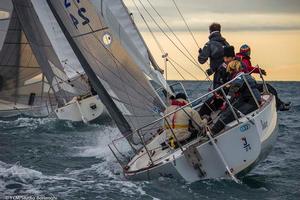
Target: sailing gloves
209,71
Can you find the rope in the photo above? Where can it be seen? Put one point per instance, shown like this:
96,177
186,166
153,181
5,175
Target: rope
163,53
171,30
161,48
151,32
177,71
192,61
183,68
187,26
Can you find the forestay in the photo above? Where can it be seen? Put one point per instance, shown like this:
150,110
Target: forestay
101,52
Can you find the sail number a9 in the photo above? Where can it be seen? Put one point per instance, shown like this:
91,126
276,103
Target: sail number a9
81,14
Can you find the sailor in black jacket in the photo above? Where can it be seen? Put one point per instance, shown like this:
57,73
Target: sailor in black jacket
214,50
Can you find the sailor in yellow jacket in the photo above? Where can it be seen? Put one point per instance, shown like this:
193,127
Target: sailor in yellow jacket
179,121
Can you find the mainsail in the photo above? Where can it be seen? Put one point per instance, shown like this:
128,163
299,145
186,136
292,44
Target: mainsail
119,20
5,13
43,52
115,15
68,59
115,75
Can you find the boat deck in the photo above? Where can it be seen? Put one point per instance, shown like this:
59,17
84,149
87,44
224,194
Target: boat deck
160,154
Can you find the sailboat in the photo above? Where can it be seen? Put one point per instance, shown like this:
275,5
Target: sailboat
119,81
105,51
86,105
38,74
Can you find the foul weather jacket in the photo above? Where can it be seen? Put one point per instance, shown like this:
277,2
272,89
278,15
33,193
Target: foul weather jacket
247,63
214,50
180,120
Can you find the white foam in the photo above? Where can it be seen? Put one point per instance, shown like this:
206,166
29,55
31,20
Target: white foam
100,149
30,179
29,123
104,175
19,172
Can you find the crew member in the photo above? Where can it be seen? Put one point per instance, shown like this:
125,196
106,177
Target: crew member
214,50
244,56
179,121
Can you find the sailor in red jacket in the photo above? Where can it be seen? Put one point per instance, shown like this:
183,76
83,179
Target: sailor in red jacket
244,56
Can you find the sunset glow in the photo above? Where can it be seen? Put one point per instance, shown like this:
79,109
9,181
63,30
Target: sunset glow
270,28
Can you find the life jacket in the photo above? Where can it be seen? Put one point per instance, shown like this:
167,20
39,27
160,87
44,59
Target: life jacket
178,104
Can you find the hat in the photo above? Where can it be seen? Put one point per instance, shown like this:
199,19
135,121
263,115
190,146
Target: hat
181,96
245,50
229,51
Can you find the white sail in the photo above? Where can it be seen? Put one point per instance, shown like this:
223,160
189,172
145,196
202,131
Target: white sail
105,60
20,73
62,48
118,19
6,8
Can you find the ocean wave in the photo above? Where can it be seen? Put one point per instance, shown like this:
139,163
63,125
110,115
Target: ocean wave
296,107
104,136
50,125
30,123
16,179
108,166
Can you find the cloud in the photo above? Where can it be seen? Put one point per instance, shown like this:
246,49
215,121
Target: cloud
222,6
234,15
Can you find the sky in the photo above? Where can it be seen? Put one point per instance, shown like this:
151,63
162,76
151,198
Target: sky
270,27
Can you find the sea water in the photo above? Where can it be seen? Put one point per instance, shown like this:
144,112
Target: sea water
51,159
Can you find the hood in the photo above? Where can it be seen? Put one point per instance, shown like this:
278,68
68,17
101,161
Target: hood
216,36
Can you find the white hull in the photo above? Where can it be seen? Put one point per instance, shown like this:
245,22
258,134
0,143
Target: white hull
10,110
85,110
242,146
